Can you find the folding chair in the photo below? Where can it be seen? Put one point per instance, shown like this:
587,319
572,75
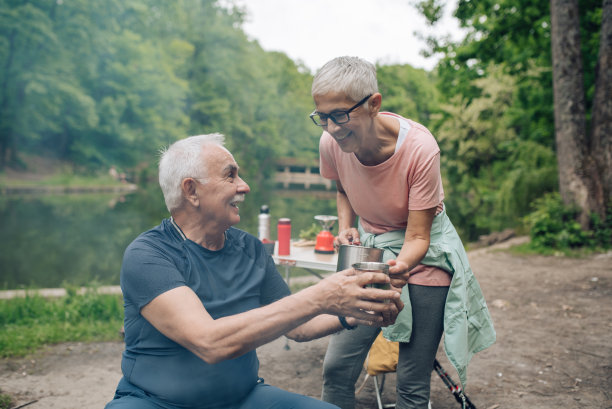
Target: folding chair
381,359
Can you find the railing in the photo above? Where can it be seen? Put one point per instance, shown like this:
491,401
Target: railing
306,176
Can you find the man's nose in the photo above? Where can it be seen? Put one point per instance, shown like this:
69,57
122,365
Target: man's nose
243,187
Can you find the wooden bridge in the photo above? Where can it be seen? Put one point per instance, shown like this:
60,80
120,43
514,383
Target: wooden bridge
292,172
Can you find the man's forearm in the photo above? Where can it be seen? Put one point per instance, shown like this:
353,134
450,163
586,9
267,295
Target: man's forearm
317,327
235,335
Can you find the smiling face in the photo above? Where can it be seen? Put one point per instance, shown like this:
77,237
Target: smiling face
223,190
351,135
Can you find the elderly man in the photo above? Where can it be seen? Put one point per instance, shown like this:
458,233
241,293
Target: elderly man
201,296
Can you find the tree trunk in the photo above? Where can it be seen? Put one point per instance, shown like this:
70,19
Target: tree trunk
601,128
569,103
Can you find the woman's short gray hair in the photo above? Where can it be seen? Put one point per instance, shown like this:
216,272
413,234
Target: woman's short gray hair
353,76
183,159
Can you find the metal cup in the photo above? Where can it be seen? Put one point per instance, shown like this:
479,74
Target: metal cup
349,254
374,267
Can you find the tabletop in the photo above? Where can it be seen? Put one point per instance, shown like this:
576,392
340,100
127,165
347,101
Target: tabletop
305,257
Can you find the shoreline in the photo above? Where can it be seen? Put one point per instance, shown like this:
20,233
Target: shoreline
57,292
25,189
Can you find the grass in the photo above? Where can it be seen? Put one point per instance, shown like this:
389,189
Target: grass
5,401
28,323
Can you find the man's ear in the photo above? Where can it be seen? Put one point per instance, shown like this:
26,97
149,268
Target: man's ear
188,186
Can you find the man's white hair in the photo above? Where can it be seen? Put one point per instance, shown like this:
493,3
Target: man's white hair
353,76
183,159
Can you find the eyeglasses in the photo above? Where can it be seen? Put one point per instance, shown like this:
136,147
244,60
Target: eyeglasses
337,117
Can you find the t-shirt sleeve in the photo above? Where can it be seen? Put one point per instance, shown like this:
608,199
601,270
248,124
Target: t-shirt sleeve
426,185
146,273
273,287
327,164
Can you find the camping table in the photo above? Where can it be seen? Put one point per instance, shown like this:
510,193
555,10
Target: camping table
306,258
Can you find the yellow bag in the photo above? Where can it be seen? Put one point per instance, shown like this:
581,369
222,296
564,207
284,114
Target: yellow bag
382,357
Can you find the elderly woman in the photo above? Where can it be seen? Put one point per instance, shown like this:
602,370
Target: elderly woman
387,172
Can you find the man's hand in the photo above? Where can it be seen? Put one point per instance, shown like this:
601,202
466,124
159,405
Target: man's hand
346,295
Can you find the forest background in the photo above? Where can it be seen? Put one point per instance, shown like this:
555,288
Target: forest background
107,84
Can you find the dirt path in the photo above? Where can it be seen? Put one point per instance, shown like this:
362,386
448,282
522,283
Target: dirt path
553,317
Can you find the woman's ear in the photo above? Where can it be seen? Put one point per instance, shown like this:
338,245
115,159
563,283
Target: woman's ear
374,104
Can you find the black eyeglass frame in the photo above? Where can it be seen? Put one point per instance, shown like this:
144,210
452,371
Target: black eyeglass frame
332,115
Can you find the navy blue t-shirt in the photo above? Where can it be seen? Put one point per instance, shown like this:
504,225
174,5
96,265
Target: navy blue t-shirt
235,279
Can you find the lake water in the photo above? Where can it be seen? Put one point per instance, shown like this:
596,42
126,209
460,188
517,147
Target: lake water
50,241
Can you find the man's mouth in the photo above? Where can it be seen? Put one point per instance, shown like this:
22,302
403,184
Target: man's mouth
237,199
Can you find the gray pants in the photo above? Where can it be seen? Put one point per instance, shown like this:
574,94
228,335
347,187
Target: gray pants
347,351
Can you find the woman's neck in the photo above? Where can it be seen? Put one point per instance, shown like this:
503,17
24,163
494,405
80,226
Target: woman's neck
381,143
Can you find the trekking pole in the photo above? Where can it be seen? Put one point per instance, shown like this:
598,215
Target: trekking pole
453,387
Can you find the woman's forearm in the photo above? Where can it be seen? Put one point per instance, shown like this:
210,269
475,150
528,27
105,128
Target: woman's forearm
346,214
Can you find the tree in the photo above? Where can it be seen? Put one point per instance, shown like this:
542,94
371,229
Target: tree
583,157
89,83
517,34
601,128
408,91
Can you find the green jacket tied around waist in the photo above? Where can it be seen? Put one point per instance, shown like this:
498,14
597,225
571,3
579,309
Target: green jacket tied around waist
468,327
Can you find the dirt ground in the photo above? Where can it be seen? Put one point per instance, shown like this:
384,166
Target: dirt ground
553,317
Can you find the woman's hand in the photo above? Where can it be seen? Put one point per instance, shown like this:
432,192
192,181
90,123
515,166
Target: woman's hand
347,236
399,272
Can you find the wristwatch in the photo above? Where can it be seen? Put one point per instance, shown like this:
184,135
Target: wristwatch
345,324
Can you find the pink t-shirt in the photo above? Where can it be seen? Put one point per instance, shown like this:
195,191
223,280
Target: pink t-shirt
382,195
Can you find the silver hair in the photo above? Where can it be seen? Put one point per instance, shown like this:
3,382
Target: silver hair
353,76
183,159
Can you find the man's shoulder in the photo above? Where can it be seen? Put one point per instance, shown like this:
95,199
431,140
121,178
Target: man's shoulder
156,237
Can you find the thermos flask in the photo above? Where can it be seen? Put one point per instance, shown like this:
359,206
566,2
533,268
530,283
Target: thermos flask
284,236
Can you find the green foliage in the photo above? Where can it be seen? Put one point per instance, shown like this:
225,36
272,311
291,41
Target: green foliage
515,35
311,232
408,91
553,226
432,10
6,402
30,322
110,83
491,175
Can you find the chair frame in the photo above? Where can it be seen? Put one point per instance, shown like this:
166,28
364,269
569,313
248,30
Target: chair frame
379,390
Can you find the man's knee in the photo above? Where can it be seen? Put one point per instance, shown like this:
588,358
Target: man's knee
271,397
130,402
